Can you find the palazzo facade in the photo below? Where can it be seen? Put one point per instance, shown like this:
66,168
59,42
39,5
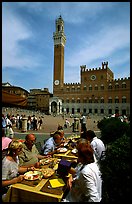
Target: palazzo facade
97,93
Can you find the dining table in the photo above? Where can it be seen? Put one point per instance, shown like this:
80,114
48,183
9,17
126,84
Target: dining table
50,189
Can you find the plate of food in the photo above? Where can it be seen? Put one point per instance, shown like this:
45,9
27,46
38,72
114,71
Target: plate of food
62,149
47,172
33,175
74,151
46,161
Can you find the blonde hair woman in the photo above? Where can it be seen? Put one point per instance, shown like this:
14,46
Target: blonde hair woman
10,166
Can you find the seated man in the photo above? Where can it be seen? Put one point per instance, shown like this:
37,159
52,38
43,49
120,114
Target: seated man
96,144
30,155
51,145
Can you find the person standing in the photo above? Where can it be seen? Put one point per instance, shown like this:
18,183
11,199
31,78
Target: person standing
83,121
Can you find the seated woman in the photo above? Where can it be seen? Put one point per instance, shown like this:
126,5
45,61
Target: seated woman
85,182
10,166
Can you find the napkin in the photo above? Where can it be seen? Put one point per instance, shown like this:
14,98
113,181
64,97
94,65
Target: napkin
56,182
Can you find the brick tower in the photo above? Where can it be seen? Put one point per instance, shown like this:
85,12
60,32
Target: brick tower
59,43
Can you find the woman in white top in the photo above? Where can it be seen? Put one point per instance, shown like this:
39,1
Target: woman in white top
10,166
85,183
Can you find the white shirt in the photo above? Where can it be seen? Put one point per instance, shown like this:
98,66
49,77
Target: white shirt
98,147
87,187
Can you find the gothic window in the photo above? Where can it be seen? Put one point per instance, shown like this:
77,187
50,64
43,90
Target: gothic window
73,100
96,87
73,88
101,77
109,100
116,86
116,99
67,89
102,110
95,110
78,100
96,100
90,100
90,110
67,110
84,110
78,88
78,110
90,88
123,85
84,100
102,87
84,88
124,99
110,86
102,100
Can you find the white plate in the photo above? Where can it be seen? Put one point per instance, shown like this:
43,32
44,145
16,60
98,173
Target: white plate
62,149
33,175
74,151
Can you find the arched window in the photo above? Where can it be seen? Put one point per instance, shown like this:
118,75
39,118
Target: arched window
73,100
90,87
102,87
96,87
116,85
123,99
84,88
78,88
84,100
102,100
116,99
90,100
78,100
110,100
124,85
110,86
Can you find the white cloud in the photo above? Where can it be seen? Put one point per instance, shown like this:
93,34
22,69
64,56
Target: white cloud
13,32
103,44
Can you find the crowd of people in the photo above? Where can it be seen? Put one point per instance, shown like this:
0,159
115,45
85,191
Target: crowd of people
9,121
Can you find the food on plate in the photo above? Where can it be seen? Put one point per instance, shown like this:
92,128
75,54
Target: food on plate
47,172
46,161
65,144
62,149
74,151
33,175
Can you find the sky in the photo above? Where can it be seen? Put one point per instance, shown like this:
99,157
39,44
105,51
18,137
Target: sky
95,32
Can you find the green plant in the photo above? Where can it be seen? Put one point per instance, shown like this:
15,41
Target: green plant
112,129
116,171
116,166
